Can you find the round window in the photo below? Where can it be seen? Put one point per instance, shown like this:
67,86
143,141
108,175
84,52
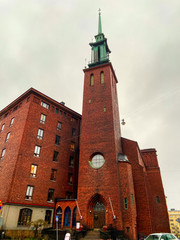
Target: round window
97,161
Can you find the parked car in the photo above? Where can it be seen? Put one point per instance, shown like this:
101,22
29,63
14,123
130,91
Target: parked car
161,236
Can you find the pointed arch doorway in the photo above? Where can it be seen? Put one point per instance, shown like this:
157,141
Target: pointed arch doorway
99,215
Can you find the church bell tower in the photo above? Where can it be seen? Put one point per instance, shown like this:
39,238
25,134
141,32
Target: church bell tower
100,142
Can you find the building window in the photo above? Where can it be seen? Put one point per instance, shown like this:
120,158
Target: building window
73,132
48,216
2,128
104,109
157,199
67,217
33,171
59,214
128,229
24,216
45,105
40,133
132,198
69,195
97,161
53,174
70,178
11,122
50,195
37,151
7,136
74,217
102,77
59,125
29,192
57,110
64,114
71,161
55,156
60,112
72,146
43,118
3,153
92,80
57,140
125,203
73,119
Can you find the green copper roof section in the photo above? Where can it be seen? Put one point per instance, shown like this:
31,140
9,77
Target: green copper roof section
99,49
100,25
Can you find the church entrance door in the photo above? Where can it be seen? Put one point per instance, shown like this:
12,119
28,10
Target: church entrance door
99,215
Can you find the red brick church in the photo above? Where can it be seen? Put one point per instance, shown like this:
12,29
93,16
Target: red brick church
101,179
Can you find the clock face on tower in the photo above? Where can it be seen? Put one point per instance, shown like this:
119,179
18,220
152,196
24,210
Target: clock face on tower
97,161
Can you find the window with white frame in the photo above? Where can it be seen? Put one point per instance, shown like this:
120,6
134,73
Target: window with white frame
37,151
29,192
3,153
45,105
12,121
33,171
2,128
7,136
43,118
40,133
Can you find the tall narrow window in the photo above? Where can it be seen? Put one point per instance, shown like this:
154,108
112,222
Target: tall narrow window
45,105
2,128
43,118
71,161
37,151
53,174
40,133
48,216
33,170
57,140
102,77
7,136
59,125
50,195
92,80
29,192
125,203
70,178
3,153
72,146
12,121
55,156
74,217
132,198
73,132
157,199
59,214
67,217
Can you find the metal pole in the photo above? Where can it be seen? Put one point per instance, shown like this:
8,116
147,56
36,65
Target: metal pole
56,229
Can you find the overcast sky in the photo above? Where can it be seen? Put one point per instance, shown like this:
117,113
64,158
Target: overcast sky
44,44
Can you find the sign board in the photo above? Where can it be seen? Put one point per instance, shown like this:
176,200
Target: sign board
57,218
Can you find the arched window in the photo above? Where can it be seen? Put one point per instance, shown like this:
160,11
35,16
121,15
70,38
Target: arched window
59,214
92,80
74,217
24,216
67,217
102,77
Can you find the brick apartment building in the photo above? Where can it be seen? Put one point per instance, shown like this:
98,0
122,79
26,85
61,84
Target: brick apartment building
39,145
111,181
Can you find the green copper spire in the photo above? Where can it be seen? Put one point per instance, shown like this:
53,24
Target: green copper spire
99,49
99,26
